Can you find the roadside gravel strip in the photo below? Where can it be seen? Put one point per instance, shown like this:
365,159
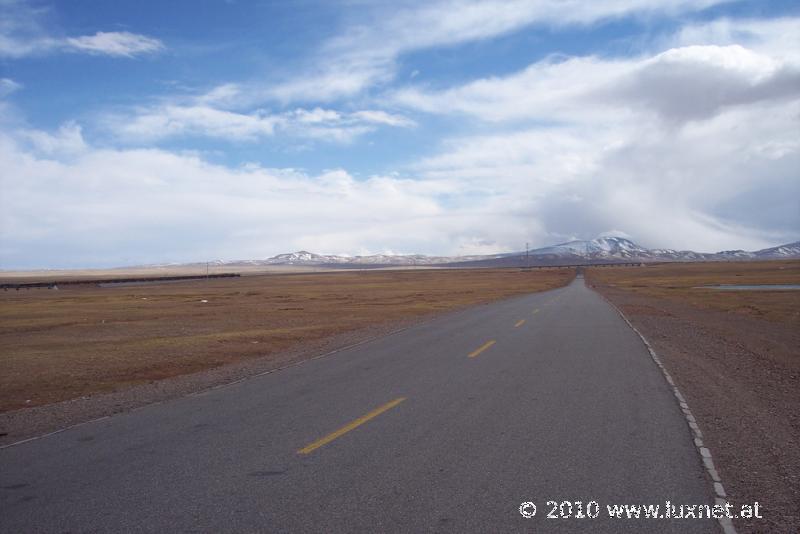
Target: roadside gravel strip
741,376
697,434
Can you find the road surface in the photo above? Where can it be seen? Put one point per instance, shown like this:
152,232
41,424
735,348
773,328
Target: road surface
445,427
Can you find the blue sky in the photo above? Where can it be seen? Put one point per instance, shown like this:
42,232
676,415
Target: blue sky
148,132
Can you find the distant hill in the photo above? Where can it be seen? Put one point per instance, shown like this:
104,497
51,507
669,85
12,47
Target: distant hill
599,250
619,249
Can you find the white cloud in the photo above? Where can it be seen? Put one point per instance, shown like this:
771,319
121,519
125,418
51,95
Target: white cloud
22,34
726,182
121,206
123,44
120,44
8,86
221,95
679,84
382,117
174,120
693,147
153,124
554,89
703,186
778,38
697,82
365,54
67,141
316,116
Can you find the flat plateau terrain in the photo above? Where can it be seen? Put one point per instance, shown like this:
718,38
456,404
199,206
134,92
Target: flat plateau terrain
736,358
682,282
445,426
56,275
82,340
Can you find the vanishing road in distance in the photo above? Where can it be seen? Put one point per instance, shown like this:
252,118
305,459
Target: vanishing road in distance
444,427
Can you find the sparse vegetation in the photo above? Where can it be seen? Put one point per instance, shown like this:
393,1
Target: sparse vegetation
680,282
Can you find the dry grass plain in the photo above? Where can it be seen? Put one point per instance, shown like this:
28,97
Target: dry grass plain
678,281
197,269
82,340
736,358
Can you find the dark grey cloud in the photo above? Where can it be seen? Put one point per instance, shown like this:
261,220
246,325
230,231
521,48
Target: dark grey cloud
699,82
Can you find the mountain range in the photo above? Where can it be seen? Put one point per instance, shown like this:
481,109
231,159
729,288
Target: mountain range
599,250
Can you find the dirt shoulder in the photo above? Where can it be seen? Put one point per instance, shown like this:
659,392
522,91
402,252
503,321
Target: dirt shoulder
738,365
78,354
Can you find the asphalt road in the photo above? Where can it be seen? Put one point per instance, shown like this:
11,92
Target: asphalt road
434,428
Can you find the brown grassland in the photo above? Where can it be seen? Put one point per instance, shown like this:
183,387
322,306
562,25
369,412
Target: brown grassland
197,269
735,356
678,281
82,340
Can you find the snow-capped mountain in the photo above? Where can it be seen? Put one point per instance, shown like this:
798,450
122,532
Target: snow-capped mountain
601,250
303,257
620,248
790,250
602,247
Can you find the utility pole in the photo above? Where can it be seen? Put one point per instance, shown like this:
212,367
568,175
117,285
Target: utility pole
586,253
527,258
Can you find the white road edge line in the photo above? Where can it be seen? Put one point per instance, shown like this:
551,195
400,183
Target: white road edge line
705,454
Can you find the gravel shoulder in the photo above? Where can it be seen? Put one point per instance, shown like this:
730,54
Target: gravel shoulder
741,377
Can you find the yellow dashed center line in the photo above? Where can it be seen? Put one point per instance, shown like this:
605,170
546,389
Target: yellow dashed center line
536,311
481,348
350,426
519,323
